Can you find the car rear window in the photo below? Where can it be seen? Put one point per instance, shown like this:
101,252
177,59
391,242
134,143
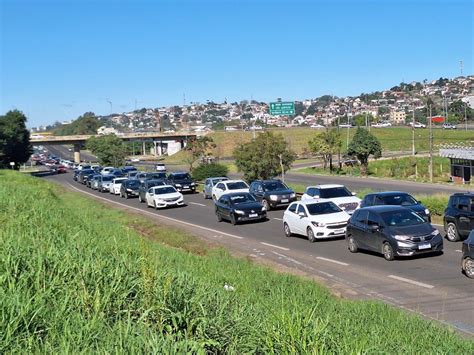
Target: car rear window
237,185
335,192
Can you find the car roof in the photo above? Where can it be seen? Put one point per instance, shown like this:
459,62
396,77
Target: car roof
325,186
468,194
162,186
218,177
384,208
228,181
388,193
235,194
313,201
268,180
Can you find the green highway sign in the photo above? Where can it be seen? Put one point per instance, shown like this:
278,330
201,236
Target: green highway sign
282,108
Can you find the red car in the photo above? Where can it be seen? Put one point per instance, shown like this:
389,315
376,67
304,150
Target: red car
58,169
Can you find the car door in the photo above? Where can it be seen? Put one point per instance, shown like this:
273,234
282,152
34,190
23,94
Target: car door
258,191
464,214
359,228
150,197
374,237
224,207
301,221
367,201
220,190
208,187
289,216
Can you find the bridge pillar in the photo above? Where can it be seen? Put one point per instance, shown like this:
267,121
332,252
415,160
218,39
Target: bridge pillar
77,153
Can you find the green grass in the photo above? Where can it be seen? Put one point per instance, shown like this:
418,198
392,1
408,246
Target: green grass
77,276
392,139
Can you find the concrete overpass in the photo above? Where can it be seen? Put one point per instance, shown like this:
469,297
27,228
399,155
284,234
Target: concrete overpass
161,141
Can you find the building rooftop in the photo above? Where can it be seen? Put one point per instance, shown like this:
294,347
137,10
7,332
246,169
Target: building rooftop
458,153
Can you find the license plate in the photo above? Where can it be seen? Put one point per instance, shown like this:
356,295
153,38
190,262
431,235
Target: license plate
284,200
424,246
339,231
253,215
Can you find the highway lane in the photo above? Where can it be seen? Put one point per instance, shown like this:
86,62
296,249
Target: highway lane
432,285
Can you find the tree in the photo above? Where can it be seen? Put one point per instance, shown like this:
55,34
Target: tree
198,148
88,123
326,144
14,139
264,157
299,108
360,119
363,145
109,149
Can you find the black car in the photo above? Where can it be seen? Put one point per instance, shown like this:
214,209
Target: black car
116,173
132,174
468,256
183,182
459,216
84,175
392,231
238,207
141,176
145,185
90,181
396,198
272,193
156,176
128,168
129,188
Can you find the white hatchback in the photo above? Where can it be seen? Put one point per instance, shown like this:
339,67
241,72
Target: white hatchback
228,186
116,185
319,219
163,196
338,194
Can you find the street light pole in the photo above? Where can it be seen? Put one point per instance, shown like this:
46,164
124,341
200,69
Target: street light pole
431,148
413,151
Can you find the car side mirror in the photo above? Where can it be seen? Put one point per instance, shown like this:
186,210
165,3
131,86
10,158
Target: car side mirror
354,193
316,196
301,214
374,227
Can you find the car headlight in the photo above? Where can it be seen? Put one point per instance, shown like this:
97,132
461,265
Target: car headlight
435,232
179,185
401,237
129,190
273,197
192,184
239,212
427,211
318,224
263,208
293,195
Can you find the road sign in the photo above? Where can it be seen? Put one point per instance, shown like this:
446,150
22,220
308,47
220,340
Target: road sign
282,108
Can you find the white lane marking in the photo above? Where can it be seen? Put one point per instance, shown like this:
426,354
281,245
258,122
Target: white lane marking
197,204
413,282
278,219
274,246
159,215
332,261
458,251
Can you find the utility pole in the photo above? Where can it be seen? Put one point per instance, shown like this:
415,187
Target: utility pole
413,151
431,148
465,115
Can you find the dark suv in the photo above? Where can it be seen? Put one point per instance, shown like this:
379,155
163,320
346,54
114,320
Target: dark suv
182,182
396,198
392,231
459,216
272,193
145,185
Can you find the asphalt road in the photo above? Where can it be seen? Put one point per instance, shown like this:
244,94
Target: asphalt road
430,285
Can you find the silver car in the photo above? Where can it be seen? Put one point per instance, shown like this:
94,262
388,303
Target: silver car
209,184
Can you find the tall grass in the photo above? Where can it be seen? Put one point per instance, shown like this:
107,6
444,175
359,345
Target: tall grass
76,276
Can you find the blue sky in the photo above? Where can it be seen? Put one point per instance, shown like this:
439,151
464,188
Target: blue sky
60,59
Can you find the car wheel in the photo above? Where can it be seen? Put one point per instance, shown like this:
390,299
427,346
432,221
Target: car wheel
452,232
387,251
286,229
126,196
219,217
233,220
310,234
468,267
352,244
266,205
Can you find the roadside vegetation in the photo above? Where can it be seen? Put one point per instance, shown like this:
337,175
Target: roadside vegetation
79,276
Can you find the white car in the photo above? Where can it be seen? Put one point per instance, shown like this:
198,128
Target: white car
163,196
316,126
106,170
228,186
449,126
319,219
116,185
338,194
161,167
417,125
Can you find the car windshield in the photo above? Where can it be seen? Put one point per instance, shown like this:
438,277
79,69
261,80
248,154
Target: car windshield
274,186
401,218
165,190
181,176
334,192
133,183
242,198
315,209
107,178
402,199
237,185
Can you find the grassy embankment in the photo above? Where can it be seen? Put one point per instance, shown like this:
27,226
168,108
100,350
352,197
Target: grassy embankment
79,276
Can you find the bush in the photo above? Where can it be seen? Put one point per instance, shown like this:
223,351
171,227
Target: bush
435,203
205,171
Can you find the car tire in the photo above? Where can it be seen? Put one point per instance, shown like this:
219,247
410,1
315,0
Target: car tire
387,252
219,217
468,267
287,230
233,220
266,205
352,244
310,235
126,196
452,232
